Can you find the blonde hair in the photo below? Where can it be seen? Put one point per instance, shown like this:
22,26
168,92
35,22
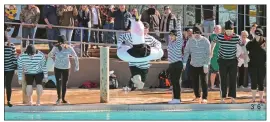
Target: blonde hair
244,31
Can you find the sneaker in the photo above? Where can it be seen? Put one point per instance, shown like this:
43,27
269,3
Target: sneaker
58,102
174,101
137,81
204,101
241,87
9,104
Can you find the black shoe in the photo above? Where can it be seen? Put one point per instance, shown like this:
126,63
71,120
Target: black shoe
9,104
133,88
64,101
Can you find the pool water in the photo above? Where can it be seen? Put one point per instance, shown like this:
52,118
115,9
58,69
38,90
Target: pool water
141,115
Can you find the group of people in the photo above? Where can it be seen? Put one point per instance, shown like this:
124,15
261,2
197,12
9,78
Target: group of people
224,54
31,67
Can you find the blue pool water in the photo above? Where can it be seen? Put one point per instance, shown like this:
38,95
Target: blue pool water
141,115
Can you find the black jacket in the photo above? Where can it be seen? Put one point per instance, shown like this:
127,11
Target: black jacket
256,54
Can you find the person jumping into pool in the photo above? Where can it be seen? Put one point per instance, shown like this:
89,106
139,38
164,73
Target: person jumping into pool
257,64
62,51
33,64
138,48
227,60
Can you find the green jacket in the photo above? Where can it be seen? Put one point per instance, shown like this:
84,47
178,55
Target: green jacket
214,63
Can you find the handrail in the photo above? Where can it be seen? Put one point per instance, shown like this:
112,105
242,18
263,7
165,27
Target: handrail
67,27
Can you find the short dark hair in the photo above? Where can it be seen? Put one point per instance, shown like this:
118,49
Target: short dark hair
165,7
146,25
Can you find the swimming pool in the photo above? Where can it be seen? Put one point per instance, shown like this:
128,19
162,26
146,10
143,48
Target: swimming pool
141,115
138,112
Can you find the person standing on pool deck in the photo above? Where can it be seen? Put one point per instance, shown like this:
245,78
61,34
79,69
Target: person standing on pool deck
175,61
62,51
198,48
33,64
10,66
257,64
214,68
227,60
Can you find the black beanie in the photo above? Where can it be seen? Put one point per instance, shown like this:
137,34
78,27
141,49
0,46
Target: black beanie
259,32
229,25
174,32
61,39
30,50
197,30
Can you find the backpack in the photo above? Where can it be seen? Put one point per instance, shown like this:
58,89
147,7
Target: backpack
164,81
88,84
113,82
50,84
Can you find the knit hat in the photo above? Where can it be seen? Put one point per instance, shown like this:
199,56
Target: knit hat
259,32
197,30
173,32
229,25
30,50
61,39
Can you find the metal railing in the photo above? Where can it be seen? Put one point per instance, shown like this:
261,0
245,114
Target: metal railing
81,36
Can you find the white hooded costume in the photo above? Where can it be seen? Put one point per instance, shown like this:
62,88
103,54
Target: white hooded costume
138,47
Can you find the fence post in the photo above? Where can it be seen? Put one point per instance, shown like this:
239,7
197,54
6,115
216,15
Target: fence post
104,74
81,43
24,96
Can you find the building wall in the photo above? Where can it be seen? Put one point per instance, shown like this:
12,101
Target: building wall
90,71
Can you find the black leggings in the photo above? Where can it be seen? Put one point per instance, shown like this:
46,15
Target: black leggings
228,67
175,70
137,71
30,78
257,75
61,76
197,74
8,80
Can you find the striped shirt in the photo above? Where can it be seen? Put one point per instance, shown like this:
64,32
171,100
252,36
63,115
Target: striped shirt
149,40
199,51
227,48
175,47
10,59
62,57
32,64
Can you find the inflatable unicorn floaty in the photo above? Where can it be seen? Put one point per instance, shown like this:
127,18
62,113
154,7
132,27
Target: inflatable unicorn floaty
138,51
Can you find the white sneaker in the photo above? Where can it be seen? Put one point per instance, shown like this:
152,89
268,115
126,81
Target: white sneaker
137,81
174,101
204,101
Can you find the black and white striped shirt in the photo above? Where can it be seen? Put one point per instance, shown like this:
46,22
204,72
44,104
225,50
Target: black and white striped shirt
10,58
227,48
199,51
32,64
149,40
175,47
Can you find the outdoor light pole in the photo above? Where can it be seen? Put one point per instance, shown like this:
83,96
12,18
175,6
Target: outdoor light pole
104,74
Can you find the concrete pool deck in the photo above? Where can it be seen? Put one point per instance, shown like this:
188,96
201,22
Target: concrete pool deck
118,97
